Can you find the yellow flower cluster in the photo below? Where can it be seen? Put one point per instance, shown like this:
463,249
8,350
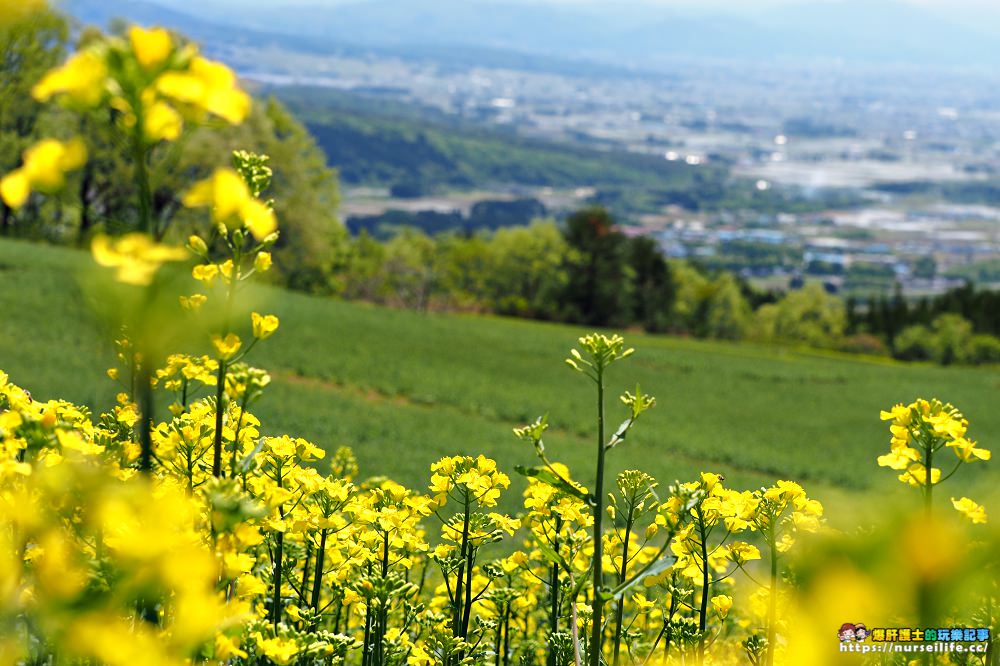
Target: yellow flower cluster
170,81
272,561
135,257
226,193
922,430
152,83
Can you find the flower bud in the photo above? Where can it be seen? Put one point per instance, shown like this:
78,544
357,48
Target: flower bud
197,245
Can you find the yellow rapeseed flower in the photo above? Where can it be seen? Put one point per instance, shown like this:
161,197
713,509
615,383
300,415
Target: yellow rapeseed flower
209,86
229,197
82,78
151,47
205,272
916,475
45,166
193,302
974,512
722,603
262,262
263,325
899,458
161,122
227,346
136,257
967,451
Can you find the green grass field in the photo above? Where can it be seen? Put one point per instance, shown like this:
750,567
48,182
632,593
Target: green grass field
404,388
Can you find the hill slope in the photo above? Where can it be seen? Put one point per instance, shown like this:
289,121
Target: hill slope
404,388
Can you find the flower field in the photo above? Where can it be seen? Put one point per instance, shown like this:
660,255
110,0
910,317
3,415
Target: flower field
252,477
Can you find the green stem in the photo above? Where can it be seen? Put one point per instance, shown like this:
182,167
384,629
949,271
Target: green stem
146,420
554,594
597,629
620,614
928,480
705,585
276,574
305,573
772,602
318,571
276,580
220,389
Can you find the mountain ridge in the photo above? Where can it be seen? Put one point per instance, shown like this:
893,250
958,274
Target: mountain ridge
850,30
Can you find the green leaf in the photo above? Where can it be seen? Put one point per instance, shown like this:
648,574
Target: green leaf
546,475
580,583
620,434
657,568
247,462
551,555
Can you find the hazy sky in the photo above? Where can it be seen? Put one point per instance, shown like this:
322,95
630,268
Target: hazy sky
749,6
964,10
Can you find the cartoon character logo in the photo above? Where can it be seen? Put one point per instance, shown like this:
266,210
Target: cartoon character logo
846,632
861,632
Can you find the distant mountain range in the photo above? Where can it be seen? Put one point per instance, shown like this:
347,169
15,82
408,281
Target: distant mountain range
867,31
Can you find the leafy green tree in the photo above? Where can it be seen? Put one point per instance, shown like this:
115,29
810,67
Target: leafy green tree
691,291
951,336
599,291
653,286
462,267
411,272
915,343
527,272
983,349
727,313
28,49
361,273
809,315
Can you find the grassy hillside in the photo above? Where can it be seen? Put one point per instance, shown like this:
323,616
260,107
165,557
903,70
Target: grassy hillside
403,388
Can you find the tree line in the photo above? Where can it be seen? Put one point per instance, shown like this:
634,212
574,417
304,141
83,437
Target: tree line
961,325
586,270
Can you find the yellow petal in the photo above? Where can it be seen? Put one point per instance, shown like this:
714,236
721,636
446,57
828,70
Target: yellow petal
181,86
162,122
15,188
103,253
233,105
151,47
46,162
81,78
258,218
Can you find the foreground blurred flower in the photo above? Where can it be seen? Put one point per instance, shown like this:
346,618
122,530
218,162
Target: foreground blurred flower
45,166
14,11
207,86
151,47
136,256
82,79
